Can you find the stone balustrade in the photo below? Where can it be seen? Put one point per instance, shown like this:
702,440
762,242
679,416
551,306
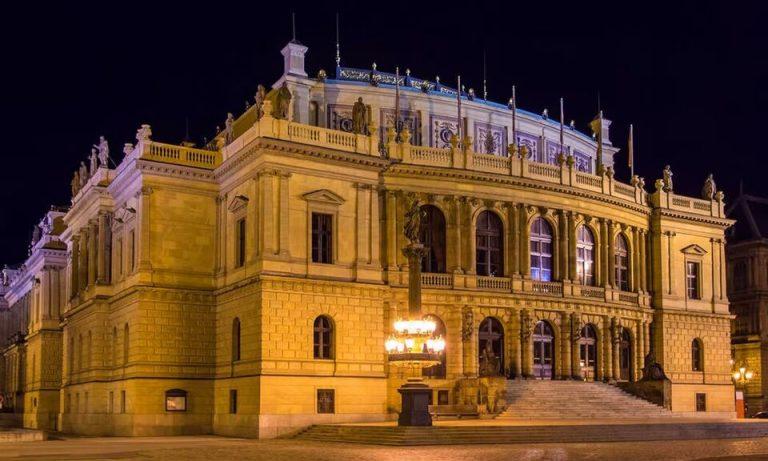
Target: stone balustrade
178,155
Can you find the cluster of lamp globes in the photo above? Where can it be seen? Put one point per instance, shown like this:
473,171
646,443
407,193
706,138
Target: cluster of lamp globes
742,374
414,343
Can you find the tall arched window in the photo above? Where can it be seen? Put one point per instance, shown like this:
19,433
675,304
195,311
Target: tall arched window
622,263
541,250
585,255
433,238
437,371
491,347
697,355
323,338
488,243
235,339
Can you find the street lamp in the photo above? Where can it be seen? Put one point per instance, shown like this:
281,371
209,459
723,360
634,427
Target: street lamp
413,343
742,375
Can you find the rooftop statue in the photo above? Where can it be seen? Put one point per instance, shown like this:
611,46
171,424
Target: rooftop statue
103,148
261,95
94,161
83,174
144,133
229,129
359,117
75,183
710,189
667,179
282,102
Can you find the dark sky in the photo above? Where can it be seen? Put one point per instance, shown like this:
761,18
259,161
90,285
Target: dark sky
691,76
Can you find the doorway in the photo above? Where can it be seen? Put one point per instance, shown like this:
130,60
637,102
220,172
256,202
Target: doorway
543,357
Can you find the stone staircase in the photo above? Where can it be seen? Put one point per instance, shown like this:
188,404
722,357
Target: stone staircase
544,399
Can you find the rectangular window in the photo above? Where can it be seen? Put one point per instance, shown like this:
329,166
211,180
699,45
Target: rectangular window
132,252
692,270
442,397
122,401
326,401
233,401
701,402
322,238
240,243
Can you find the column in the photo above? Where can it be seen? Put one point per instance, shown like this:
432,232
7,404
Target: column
221,226
469,246
518,347
563,245
526,342
105,247
74,267
390,212
565,344
285,217
268,192
671,262
525,243
639,350
610,254
721,254
82,274
572,248
144,232
375,229
93,243
456,206
643,261
362,223
510,262
604,269
615,348
607,355
575,352
514,218
635,261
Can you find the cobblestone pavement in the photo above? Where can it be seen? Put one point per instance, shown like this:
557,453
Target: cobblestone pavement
218,448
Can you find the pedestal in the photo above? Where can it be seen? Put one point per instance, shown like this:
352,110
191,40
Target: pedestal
415,404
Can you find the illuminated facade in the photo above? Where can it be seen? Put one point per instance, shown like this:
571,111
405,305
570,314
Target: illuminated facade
248,287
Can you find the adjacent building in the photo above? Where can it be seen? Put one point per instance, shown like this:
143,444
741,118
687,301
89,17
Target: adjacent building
247,287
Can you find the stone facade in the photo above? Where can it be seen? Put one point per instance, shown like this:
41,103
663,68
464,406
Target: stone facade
183,292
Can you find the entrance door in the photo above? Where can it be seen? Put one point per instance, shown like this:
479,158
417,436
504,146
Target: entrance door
625,356
491,347
543,358
588,352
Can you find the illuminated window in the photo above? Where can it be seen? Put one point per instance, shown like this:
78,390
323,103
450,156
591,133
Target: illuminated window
621,255
176,400
541,250
692,270
585,256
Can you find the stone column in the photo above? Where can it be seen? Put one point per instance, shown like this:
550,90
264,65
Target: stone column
469,247
82,275
375,229
105,247
469,343
639,348
604,269
611,254
635,261
572,248
74,267
643,263
144,229
362,224
565,344
563,245
575,352
516,334
390,213
93,244
270,218
285,216
648,339
526,343
514,218
456,209
509,240
525,243
607,346
615,348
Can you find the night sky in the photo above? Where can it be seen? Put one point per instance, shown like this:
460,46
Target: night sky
691,76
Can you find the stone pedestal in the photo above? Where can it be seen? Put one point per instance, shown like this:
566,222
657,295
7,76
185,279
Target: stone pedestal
415,404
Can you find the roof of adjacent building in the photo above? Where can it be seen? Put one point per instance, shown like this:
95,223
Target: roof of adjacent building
751,215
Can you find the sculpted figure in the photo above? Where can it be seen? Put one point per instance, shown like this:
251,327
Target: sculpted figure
412,225
75,183
359,117
283,102
103,149
143,133
229,131
94,161
261,95
710,189
467,325
83,174
667,179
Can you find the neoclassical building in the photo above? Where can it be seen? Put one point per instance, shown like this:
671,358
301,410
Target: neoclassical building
247,287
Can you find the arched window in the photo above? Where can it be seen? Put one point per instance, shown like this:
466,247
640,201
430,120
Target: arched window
541,250
585,255
323,338
235,339
488,243
697,355
491,347
433,238
622,263
437,371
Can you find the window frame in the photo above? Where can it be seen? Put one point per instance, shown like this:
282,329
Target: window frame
322,410
494,255
325,246
622,262
537,239
697,355
693,292
323,338
587,248
241,243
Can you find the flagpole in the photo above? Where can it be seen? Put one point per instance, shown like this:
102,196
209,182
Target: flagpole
600,142
631,151
397,101
562,115
514,116
458,99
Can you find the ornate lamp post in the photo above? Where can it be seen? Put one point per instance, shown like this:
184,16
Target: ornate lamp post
741,375
413,343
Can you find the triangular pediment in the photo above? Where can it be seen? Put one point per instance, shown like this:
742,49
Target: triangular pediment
324,196
695,250
237,203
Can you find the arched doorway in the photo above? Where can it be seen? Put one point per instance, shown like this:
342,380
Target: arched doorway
543,357
588,352
625,355
491,347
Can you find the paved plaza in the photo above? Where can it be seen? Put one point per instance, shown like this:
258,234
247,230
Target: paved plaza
210,448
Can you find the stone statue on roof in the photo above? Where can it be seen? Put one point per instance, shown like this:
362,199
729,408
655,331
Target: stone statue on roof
75,183
668,186
229,128
282,102
359,117
94,161
710,189
103,148
261,96
83,174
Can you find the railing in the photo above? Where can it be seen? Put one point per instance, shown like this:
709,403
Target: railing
431,156
547,288
623,189
493,283
432,280
491,162
179,155
543,169
593,292
627,297
590,180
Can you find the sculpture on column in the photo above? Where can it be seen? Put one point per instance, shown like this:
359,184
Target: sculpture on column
651,369
467,325
359,117
710,189
144,133
261,96
83,174
127,148
75,184
412,224
282,102
229,129
103,148
667,180
94,162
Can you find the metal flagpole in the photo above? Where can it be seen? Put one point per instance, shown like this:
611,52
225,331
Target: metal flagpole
600,142
338,54
397,102
631,152
459,123
562,115
514,116
485,85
